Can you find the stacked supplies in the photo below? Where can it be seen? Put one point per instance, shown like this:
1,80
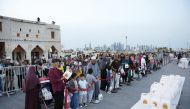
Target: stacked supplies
164,94
184,63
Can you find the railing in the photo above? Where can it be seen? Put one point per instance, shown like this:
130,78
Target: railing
11,78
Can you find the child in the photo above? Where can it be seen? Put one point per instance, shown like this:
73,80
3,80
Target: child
73,88
91,80
83,85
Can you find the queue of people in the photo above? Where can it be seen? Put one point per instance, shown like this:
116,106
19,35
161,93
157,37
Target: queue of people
91,74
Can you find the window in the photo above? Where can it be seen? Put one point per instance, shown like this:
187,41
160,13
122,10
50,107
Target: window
27,35
0,26
29,30
20,29
18,34
52,34
36,36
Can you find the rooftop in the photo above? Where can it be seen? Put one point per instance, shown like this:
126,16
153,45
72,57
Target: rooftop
25,21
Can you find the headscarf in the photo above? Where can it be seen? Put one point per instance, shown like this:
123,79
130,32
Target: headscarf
31,79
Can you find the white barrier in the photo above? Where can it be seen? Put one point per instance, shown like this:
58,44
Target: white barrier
11,78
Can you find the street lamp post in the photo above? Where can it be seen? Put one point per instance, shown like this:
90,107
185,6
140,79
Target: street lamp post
126,43
187,45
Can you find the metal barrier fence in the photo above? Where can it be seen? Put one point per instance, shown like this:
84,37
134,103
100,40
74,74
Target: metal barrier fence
11,78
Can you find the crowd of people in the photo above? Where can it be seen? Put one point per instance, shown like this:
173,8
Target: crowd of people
90,74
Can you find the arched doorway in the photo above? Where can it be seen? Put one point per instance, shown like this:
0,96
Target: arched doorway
52,52
2,50
19,54
36,54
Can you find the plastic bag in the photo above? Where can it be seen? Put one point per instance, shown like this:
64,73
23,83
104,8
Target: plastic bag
100,97
46,94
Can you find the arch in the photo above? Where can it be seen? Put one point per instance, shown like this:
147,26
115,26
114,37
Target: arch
19,53
2,50
36,53
52,52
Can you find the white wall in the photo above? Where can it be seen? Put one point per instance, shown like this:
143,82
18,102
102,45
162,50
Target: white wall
10,29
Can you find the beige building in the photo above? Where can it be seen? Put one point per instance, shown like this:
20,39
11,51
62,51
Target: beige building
23,39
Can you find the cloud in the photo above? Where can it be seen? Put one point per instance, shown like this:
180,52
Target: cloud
156,22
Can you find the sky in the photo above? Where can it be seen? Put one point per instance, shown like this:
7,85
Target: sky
146,22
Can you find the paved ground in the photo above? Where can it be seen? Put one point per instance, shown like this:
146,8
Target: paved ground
126,97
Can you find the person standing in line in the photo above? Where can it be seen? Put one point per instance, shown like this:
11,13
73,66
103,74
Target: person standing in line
179,57
125,66
32,90
19,73
83,86
96,72
91,79
9,78
109,79
143,65
84,64
1,74
57,81
115,68
103,64
73,89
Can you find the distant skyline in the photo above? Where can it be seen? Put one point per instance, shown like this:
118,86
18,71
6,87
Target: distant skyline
145,22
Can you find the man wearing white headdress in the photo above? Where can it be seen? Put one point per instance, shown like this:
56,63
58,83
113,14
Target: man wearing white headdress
96,72
143,65
84,64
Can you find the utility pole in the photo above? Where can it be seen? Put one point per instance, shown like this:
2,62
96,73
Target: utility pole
126,43
187,45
